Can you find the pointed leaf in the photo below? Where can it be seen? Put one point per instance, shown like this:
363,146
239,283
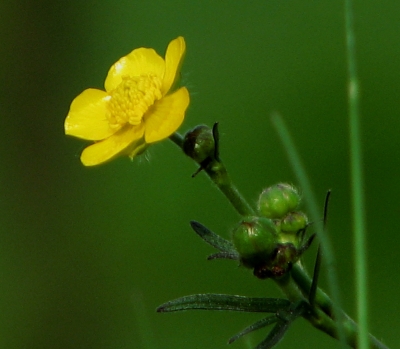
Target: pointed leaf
256,326
225,302
213,239
274,336
285,318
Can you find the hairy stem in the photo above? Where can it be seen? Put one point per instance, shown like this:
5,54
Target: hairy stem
219,175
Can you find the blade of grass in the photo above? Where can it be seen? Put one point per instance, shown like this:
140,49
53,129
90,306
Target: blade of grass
299,170
359,230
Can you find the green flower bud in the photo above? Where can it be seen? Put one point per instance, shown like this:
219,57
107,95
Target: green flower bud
255,239
293,222
277,201
199,143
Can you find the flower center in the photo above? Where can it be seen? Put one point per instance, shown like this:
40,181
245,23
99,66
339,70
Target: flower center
132,98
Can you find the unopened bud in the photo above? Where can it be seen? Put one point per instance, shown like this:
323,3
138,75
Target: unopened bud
199,143
255,240
293,222
277,201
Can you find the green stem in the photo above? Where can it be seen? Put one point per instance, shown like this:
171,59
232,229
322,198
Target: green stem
320,316
289,288
316,317
177,139
304,282
359,228
297,285
295,161
217,172
219,175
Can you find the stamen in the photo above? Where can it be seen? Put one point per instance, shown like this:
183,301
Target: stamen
131,99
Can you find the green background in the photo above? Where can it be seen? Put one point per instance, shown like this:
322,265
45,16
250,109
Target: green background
87,254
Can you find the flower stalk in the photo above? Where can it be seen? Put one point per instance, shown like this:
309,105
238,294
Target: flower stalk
211,163
297,284
141,105
217,172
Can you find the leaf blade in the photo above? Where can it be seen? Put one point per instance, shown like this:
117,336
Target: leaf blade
215,240
256,326
211,301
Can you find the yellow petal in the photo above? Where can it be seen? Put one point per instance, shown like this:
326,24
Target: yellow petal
166,116
141,61
173,61
87,116
123,141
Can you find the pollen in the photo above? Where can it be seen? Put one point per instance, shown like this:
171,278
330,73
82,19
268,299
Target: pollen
132,98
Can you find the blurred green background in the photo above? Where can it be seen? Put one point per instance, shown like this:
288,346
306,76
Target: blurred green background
87,254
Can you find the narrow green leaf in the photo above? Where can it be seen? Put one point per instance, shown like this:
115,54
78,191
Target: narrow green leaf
285,317
225,302
274,336
256,326
214,240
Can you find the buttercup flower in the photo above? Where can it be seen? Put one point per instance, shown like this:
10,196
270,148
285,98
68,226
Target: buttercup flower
136,109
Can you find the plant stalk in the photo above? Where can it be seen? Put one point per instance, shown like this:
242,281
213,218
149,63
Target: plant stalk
359,228
296,286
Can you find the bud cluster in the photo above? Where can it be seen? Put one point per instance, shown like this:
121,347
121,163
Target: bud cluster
279,203
273,241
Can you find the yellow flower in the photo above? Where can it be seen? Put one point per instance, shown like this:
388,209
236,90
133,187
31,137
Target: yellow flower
136,108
